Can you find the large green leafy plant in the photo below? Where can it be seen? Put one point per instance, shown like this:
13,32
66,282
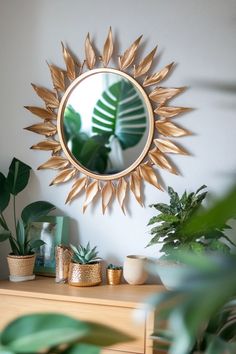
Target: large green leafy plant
57,333
10,186
201,311
168,229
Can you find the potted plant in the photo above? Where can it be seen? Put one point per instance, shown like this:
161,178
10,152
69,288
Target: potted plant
22,257
85,267
169,232
114,274
199,315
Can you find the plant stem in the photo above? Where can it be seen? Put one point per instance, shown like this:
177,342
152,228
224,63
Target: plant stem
14,212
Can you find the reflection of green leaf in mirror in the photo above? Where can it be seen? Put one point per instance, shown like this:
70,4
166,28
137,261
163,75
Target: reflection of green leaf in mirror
120,112
91,152
72,122
94,153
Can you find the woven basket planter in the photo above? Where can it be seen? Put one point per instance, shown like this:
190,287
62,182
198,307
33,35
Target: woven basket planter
21,267
85,274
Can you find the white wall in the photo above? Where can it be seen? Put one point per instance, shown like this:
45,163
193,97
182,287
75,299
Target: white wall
198,35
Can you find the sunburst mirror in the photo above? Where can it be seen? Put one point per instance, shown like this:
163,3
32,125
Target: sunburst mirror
108,129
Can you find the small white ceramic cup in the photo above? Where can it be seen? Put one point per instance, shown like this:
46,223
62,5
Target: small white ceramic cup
134,271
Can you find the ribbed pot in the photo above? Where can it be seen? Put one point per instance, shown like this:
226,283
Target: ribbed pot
134,269
85,274
114,276
21,266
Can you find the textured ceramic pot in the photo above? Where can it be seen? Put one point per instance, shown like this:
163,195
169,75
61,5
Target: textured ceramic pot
21,268
134,269
85,274
114,276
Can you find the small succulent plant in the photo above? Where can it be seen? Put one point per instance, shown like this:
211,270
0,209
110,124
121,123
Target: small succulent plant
114,267
85,255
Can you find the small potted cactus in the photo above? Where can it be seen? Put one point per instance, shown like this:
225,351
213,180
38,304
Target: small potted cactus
114,274
85,267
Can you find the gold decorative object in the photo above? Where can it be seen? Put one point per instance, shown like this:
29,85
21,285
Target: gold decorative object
150,118
114,276
63,259
85,274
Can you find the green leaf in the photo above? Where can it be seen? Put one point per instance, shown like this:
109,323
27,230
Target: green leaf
214,217
121,113
18,176
33,333
36,244
71,121
4,234
94,153
162,207
217,345
4,193
35,210
201,188
79,348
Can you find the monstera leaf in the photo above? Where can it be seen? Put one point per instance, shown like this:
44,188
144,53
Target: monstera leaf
120,112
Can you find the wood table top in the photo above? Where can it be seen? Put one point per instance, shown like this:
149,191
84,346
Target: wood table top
123,295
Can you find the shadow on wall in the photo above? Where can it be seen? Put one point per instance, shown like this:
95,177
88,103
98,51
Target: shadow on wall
224,87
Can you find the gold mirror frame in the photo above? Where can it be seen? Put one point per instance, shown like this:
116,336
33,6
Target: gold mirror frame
64,82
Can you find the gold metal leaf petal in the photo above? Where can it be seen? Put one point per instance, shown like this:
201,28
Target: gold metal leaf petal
49,97
121,192
159,76
91,192
167,146
48,145
70,63
160,160
145,64
47,129
77,187
107,192
148,174
162,94
107,49
135,186
57,77
90,54
41,112
64,176
129,55
55,162
167,128
169,112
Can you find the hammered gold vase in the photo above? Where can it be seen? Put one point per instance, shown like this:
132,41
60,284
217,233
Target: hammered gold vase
114,276
85,274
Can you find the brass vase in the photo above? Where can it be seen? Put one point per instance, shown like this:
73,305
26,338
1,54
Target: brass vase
21,268
114,276
85,274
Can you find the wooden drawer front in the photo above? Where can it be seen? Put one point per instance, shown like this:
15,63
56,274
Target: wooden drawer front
116,317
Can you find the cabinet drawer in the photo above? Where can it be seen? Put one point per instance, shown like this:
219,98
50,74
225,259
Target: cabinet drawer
120,318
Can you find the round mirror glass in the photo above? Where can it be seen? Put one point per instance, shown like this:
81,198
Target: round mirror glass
105,123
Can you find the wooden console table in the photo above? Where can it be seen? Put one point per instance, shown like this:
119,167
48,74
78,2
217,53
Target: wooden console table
110,305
